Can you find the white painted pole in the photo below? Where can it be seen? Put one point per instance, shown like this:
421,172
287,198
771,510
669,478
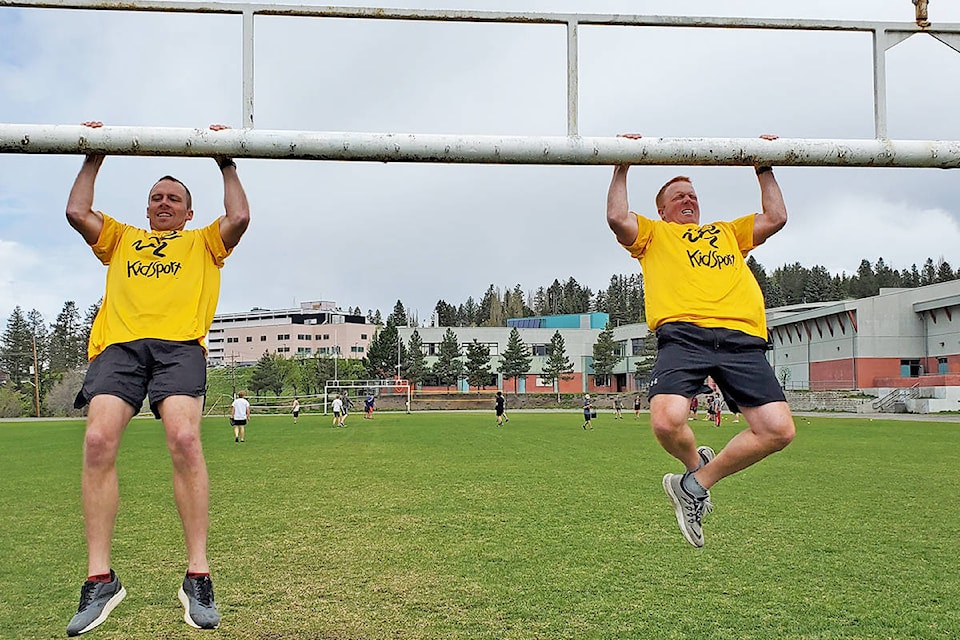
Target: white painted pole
555,150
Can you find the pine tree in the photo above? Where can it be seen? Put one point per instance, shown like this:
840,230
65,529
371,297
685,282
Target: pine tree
448,368
605,356
269,374
416,369
643,366
67,348
478,364
16,349
385,351
446,314
516,359
88,319
557,366
399,316
944,271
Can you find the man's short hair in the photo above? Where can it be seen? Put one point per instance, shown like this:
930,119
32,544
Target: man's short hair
185,188
663,189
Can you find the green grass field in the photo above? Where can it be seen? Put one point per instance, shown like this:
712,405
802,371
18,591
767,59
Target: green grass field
444,526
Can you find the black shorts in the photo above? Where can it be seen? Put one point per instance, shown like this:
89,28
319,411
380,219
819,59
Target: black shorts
237,423
133,370
499,411
687,354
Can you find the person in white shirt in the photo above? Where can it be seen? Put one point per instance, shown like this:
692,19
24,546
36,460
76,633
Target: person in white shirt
239,414
337,411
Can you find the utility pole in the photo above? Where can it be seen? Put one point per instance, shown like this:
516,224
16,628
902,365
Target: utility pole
36,377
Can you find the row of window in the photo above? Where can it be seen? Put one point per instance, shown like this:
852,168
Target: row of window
357,349
286,336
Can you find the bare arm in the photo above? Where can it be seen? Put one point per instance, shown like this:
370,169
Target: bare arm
80,213
237,211
774,209
619,219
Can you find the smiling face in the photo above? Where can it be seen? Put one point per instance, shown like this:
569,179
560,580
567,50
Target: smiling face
168,208
677,202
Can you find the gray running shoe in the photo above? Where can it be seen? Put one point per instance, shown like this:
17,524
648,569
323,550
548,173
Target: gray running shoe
706,455
689,510
97,600
199,608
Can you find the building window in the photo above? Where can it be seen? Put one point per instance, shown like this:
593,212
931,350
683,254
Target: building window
636,346
539,349
249,338
943,366
326,336
302,336
283,349
230,340
363,336
263,338
910,369
620,348
303,349
283,336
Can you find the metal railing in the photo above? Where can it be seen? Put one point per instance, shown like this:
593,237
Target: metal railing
571,149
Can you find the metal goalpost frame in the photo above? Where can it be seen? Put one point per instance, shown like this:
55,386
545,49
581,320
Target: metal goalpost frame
367,384
571,149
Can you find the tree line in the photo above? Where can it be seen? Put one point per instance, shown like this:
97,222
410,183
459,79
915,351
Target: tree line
60,346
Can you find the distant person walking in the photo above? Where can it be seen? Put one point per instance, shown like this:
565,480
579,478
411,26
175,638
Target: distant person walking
368,406
588,412
636,407
707,310
618,408
239,415
500,408
337,407
296,410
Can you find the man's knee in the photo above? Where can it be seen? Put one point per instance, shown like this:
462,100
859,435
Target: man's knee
100,448
185,446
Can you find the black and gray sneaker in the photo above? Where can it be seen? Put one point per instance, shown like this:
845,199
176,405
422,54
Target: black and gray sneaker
689,510
97,600
199,608
706,455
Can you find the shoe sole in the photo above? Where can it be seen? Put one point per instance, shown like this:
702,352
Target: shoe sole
678,510
107,608
185,601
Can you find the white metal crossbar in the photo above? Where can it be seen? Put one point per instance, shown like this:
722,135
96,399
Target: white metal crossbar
382,147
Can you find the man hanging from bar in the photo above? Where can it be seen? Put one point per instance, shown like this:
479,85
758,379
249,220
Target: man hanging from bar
708,313
147,340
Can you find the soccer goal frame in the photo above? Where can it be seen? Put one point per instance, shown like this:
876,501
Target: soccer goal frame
397,385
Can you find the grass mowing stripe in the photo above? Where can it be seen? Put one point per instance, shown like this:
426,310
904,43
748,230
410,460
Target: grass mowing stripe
443,525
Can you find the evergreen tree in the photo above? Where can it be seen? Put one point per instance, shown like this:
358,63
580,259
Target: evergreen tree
88,319
944,271
864,283
478,365
912,279
269,374
16,349
928,275
605,356
557,366
448,368
399,316
416,369
886,277
385,351
446,314
469,313
67,348
643,366
516,359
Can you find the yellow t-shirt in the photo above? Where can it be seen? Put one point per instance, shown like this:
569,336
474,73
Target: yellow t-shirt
160,284
700,275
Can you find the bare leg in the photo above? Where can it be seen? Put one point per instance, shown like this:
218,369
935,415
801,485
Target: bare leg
668,417
181,420
770,429
107,418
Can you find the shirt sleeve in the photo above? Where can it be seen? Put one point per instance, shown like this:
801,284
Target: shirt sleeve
743,231
109,238
644,233
214,241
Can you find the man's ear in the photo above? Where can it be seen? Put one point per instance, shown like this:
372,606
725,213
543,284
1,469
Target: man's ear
189,214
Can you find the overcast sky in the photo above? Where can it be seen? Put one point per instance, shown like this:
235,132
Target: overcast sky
366,234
